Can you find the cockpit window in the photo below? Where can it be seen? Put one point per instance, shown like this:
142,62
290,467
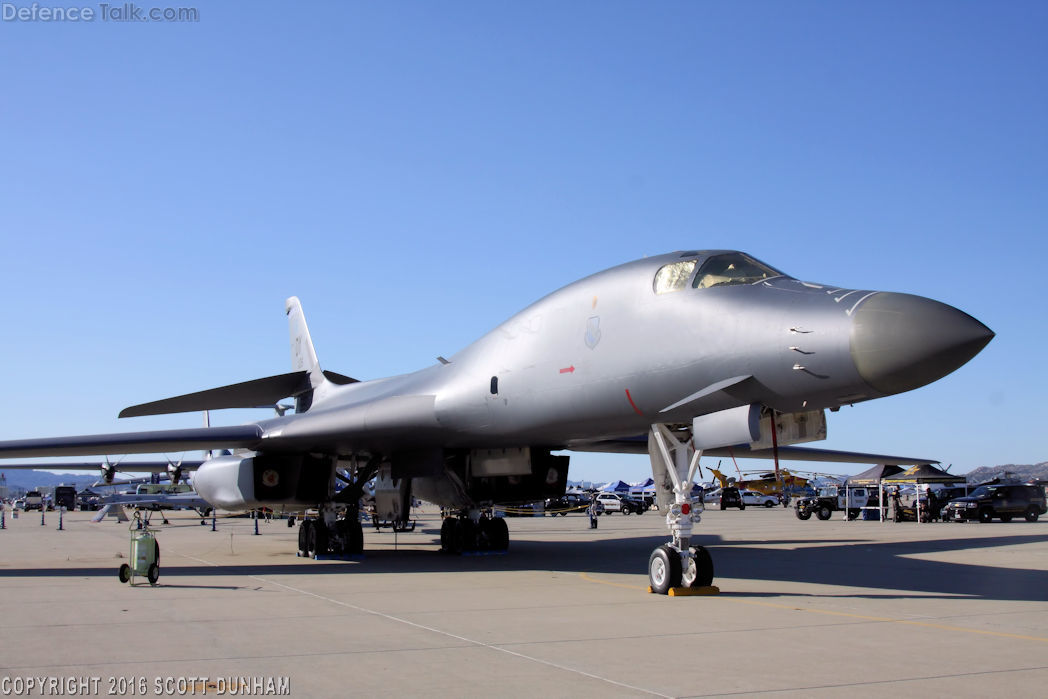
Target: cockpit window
673,277
732,268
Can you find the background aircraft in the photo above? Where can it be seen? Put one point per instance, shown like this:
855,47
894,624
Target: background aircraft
767,483
679,355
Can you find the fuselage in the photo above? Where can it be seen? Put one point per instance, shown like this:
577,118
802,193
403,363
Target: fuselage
652,341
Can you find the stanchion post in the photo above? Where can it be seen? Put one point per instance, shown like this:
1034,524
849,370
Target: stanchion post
254,516
61,511
43,509
214,521
3,516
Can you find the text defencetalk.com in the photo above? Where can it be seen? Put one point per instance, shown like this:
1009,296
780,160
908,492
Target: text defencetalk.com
102,12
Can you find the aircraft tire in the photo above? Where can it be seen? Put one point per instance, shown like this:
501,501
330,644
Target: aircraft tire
1031,514
303,536
501,530
156,551
466,536
664,569
153,574
447,535
356,537
321,542
341,543
485,533
125,573
689,572
703,565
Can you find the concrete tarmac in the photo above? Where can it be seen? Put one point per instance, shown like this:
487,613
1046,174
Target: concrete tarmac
807,609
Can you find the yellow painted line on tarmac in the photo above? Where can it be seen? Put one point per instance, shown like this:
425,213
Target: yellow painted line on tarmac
588,578
848,615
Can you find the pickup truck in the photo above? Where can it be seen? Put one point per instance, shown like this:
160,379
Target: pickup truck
830,499
1003,501
34,500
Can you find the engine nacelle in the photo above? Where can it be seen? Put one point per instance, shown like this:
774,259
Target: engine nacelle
237,482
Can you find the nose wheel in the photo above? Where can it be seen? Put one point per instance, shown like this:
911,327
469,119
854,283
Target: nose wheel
664,569
669,568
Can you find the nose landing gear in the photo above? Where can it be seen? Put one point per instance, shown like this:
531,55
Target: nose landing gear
677,564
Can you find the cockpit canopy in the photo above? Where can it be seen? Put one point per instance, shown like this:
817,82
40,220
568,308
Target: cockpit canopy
722,269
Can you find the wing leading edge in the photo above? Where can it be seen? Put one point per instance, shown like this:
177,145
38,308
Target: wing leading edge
639,445
154,441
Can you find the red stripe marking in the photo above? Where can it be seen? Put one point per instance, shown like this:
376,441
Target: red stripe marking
630,399
569,370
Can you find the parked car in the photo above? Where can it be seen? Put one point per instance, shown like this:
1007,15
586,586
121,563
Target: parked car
569,502
1001,501
525,509
613,502
753,497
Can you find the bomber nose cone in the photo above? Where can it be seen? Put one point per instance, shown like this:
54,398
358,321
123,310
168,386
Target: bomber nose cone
900,342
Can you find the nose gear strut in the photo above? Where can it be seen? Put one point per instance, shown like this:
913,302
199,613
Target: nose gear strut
677,563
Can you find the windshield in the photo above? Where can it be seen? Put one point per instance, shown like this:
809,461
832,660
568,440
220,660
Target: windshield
673,277
732,268
982,492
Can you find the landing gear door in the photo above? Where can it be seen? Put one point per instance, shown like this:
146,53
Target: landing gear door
392,496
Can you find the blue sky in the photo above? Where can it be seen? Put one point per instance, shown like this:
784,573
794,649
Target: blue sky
416,172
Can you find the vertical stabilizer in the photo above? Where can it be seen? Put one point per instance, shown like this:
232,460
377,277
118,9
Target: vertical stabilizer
303,356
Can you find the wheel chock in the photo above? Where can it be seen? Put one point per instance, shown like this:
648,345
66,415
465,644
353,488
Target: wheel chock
694,591
705,590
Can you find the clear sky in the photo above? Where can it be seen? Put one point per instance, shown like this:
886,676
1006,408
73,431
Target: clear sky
416,172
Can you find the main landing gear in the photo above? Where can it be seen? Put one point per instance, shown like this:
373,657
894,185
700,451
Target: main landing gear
472,532
333,532
677,563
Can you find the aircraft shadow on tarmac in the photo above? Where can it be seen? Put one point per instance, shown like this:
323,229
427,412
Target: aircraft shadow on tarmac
856,563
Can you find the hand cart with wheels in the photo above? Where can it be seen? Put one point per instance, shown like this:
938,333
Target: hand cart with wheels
144,554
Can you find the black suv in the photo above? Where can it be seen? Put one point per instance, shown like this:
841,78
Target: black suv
569,502
1001,501
730,497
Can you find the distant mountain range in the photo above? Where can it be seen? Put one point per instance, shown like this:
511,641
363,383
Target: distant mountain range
1009,472
28,480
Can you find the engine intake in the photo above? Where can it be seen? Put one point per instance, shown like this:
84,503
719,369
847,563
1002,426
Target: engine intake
237,482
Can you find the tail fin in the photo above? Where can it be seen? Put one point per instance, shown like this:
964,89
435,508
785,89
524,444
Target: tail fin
303,356
720,477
